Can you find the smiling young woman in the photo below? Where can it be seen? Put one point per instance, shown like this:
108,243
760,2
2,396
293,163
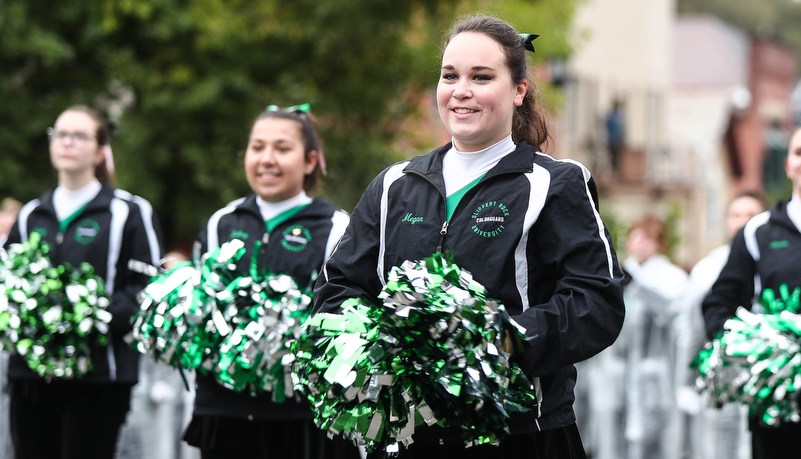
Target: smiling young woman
283,160
476,95
524,224
276,162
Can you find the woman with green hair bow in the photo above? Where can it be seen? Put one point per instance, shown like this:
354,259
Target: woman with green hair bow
297,233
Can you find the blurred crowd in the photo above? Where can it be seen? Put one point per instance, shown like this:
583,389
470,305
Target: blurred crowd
637,399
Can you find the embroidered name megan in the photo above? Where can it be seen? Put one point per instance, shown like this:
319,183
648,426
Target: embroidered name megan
411,219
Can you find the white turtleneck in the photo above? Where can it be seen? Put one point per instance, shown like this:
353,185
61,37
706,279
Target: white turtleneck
270,210
68,202
794,211
460,168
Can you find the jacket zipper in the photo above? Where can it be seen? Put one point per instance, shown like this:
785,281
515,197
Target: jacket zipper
442,233
444,230
256,256
110,357
57,248
265,239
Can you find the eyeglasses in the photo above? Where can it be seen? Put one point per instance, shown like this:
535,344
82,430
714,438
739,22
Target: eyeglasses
76,137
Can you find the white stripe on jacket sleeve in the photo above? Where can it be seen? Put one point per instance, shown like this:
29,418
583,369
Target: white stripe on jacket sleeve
22,218
394,173
339,222
212,238
539,181
119,215
601,233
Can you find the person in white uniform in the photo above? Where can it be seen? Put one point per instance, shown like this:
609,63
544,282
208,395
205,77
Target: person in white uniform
630,393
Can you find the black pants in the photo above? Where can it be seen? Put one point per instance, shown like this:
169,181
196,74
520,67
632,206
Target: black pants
66,419
779,442
222,438
561,443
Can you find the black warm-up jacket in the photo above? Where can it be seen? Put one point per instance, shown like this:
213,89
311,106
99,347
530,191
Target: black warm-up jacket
297,247
529,231
765,254
114,231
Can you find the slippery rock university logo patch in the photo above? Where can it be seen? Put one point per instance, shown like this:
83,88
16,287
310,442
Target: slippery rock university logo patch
489,219
295,238
86,231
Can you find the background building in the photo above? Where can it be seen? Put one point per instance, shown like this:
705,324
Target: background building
702,104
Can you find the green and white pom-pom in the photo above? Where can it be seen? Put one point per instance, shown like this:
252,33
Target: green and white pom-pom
267,315
52,316
437,351
209,317
177,322
757,360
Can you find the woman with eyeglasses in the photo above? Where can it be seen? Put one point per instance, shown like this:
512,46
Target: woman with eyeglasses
84,219
283,160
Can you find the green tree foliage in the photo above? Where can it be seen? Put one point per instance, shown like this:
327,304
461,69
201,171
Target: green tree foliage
184,80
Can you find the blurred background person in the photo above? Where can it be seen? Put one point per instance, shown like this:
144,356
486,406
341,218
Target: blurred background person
88,220
631,402
708,433
773,174
648,341
615,123
161,403
9,210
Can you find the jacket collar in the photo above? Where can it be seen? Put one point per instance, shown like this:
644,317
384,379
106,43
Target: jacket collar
521,160
319,207
101,201
778,216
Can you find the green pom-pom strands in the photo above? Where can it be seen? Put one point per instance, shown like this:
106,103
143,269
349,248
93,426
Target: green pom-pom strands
435,352
757,360
178,320
270,319
170,323
205,316
52,316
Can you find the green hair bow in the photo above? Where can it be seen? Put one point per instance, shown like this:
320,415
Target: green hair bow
302,108
528,38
